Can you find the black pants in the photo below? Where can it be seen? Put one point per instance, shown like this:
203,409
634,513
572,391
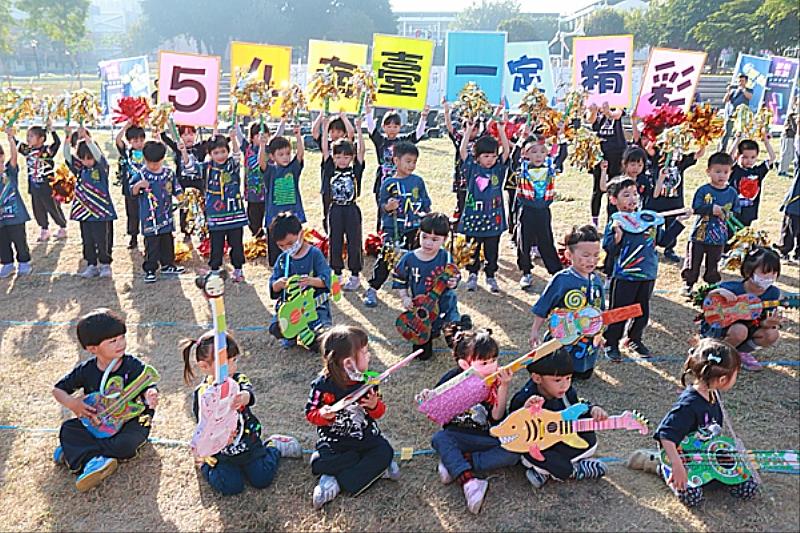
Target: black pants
534,227
491,250
326,208
669,237
255,217
234,238
513,215
558,164
80,446
132,214
748,215
695,252
380,272
790,235
614,169
355,464
558,458
345,220
273,250
13,235
461,198
43,205
624,292
95,242
158,250
379,215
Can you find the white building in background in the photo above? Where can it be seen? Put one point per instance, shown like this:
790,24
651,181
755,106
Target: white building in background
571,21
108,24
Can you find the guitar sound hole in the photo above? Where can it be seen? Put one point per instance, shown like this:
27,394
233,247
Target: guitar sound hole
725,460
552,427
422,314
647,217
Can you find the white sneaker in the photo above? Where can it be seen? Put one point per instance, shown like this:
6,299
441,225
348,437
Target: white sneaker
525,281
326,490
353,284
105,271
474,492
61,234
536,478
44,235
472,283
493,286
393,472
6,270
535,252
286,445
91,271
24,269
444,474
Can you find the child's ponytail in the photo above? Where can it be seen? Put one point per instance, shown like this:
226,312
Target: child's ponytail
202,349
709,360
339,343
188,347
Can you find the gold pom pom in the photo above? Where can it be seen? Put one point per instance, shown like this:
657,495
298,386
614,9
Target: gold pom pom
15,106
675,139
362,87
254,248
741,244
160,116
292,101
472,103
84,107
705,124
462,250
323,86
534,103
62,184
749,125
182,252
252,91
586,151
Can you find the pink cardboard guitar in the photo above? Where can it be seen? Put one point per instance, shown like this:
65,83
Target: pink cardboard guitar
217,417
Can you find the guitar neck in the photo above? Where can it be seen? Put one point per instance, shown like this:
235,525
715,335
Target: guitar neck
534,355
589,424
220,340
147,377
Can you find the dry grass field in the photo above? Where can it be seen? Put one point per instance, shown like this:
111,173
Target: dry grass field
161,490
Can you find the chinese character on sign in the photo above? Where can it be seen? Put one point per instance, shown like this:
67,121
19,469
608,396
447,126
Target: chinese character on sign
783,69
664,85
399,73
342,69
605,72
524,70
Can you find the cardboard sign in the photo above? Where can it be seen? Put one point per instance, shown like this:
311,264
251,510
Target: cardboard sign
604,66
271,63
343,58
122,77
191,83
476,56
670,78
781,87
527,65
402,68
756,68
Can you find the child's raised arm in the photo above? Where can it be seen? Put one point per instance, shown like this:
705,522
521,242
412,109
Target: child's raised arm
262,151
324,145
348,127
362,148
119,140
770,151
463,150
504,139
448,121
315,126
300,149
658,189
235,140
12,148
603,175
370,117
423,122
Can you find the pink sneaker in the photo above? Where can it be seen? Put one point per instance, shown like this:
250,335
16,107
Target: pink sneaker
44,235
474,492
61,234
749,362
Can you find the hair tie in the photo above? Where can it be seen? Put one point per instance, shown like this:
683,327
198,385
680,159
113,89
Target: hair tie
713,358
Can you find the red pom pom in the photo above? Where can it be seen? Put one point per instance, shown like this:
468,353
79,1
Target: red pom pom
135,109
328,398
660,119
511,129
318,240
373,243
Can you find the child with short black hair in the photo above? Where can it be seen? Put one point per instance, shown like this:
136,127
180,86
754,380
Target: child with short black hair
254,148
13,215
298,257
760,269
282,181
404,201
155,185
102,333
188,171
634,273
40,162
225,215
714,367
342,171
456,134
246,456
535,191
713,203
747,177
130,142
464,444
338,128
550,387
484,218
385,143
350,454
413,276
607,123
574,287
92,206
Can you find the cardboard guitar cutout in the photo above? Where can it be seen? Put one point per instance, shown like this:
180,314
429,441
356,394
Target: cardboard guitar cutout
569,325
641,221
217,417
416,325
718,311
117,404
299,311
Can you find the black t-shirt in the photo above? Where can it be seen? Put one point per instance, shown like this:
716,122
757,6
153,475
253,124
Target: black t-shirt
747,184
672,195
343,186
384,149
478,418
87,376
187,177
353,423
612,136
690,413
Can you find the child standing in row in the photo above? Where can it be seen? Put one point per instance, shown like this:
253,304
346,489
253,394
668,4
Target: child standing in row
40,159
790,231
351,453
338,128
574,288
607,123
456,136
129,143
550,387
713,204
484,217
282,182
464,445
747,177
714,366
225,214
246,456
155,185
404,201
92,206
342,172
13,215
188,171
102,333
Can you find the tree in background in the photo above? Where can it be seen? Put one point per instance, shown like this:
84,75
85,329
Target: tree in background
735,25
5,26
782,20
486,15
606,21
529,28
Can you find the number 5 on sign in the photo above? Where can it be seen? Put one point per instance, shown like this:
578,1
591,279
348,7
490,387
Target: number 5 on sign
191,83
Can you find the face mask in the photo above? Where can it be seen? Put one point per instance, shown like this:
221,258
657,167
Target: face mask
296,246
763,282
351,370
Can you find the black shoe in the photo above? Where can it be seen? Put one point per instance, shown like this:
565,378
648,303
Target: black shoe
427,350
671,256
133,243
466,322
150,277
613,354
172,270
638,347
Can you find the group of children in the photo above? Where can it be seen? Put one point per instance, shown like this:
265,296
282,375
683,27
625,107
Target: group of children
351,452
